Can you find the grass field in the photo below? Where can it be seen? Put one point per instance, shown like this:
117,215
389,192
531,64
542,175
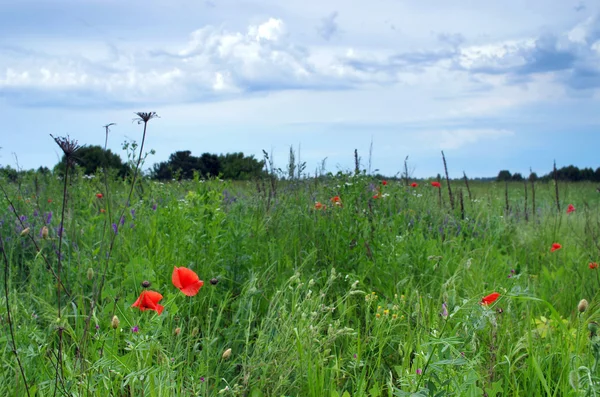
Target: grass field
377,295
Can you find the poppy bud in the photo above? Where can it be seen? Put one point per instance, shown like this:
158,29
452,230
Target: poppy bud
582,306
226,354
177,331
25,232
146,284
90,273
45,232
214,281
115,322
195,331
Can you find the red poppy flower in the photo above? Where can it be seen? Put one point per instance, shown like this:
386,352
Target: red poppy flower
436,184
593,265
102,210
148,300
377,196
570,208
49,200
186,280
319,206
384,183
555,246
99,195
336,200
414,184
491,298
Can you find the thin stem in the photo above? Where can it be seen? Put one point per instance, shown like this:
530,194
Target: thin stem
8,316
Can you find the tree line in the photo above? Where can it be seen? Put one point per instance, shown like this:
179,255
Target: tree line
237,166
569,173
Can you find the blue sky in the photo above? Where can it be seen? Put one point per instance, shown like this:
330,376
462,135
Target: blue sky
496,85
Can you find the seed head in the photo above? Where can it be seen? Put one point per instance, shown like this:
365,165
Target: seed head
67,145
177,331
25,232
214,281
144,117
146,284
115,322
582,306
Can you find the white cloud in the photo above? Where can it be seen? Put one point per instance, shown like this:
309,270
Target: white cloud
448,140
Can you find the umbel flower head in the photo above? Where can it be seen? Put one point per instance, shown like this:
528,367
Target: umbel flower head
68,146
144,117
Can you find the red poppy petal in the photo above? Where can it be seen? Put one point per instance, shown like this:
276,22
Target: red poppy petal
153,296
187,277
192,289
175,278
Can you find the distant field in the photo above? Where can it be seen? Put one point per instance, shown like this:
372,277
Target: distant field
381,292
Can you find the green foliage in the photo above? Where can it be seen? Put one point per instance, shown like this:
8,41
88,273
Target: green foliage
376,296
182,165
92,159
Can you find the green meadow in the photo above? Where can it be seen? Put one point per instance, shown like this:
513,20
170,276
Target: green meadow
379,294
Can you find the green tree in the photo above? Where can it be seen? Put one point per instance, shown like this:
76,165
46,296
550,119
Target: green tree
504,175
93,158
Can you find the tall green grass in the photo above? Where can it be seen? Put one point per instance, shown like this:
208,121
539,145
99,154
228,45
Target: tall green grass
373,297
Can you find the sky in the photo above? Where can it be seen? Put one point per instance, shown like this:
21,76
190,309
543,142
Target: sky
496,85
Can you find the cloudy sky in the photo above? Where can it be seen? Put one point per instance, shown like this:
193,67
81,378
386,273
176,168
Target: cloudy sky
508,84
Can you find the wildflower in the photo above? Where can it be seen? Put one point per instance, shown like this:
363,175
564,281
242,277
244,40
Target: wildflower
436,184
444,312
226,354
102,211
148,300
49,201
570,208
593,265
45,232
394,316
99,195
555,246
386,312
582,306
115,228
25,232
491,298
154,207
177,331
414,184
378,195
378,315
145,284
186,280
68,146
115,322
135,329
419,371
336,200
384,183
319,206
48,218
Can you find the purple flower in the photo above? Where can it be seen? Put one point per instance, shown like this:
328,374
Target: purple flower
122,220
23,218
135,329
48,217
97,326
444,312
355,356
115,228
132,213
202,379
59,231
35,212
154,207
419,371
